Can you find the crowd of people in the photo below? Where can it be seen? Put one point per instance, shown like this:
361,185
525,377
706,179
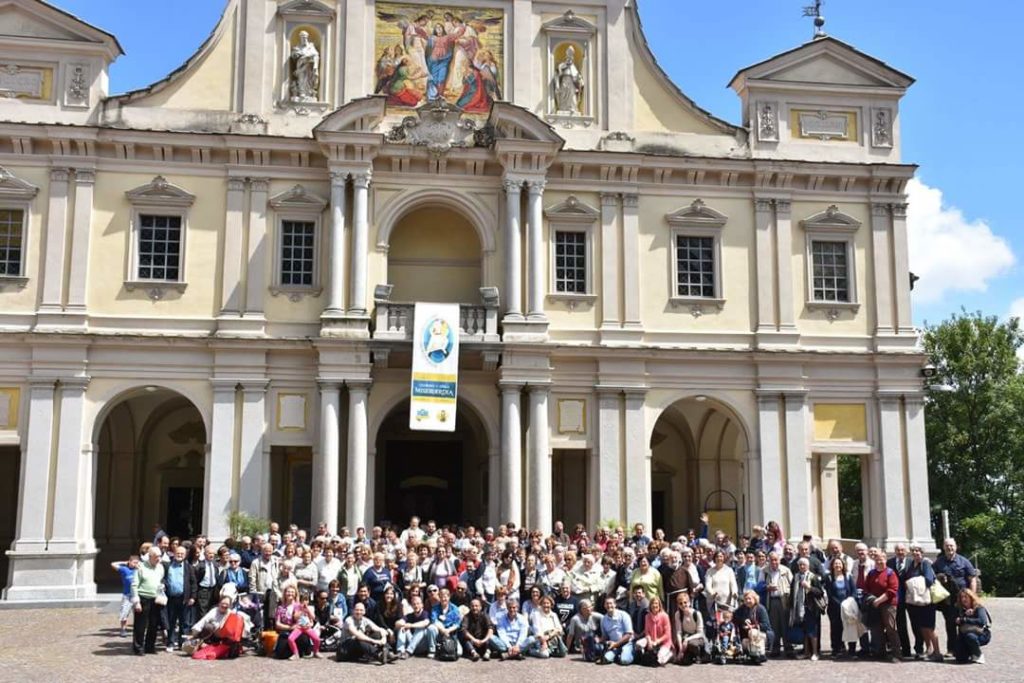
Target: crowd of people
509,593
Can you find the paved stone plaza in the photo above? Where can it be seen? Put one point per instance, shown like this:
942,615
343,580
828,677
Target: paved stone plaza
83,644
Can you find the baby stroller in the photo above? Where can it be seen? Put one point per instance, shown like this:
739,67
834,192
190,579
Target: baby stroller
723,635
330,638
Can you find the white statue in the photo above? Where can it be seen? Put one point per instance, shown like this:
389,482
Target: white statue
568,84
305,80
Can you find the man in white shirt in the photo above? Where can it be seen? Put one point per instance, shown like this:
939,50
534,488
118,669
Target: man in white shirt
414,532
362,640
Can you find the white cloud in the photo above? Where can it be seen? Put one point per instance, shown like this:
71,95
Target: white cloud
948,252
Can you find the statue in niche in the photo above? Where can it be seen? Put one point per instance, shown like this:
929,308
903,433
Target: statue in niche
305,76
568,85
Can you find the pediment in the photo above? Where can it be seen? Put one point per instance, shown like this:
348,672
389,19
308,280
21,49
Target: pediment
35,20
697,214
298,199
13,187
831,219
362,115
570,22
512,122
572,210
160,192
305,8
826,61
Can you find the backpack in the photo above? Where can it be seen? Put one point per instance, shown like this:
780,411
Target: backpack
447,649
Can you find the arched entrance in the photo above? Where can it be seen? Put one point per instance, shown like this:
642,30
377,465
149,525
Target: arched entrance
150,464
434,254
698,447
435,475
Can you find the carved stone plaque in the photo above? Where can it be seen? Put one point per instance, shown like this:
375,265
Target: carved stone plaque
826,125
25,82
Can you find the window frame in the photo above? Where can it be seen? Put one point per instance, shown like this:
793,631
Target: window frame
696,220
18,195
157,198
831,225
572,215
299,205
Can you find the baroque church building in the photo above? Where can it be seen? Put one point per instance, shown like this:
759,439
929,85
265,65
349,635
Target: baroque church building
207,286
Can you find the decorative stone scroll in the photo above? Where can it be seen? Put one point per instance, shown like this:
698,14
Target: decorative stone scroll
438,126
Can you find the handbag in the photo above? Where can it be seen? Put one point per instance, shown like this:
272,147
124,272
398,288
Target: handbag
447,649
917,593
161,597
938,593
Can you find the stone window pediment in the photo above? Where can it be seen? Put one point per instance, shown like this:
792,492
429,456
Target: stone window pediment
697,214
831,220
159,192
306,9
572,210
298,200
14,188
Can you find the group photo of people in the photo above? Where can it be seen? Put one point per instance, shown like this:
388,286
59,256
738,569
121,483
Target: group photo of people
617,596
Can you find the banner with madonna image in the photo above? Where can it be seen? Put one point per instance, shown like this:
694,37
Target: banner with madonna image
435,368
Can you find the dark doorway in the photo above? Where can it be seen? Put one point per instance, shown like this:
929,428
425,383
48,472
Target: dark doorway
184,511
658,518
10,480
424,478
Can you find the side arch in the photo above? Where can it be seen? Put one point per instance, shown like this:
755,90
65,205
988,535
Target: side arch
465,205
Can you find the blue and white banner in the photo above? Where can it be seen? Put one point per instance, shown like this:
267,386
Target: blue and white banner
435,367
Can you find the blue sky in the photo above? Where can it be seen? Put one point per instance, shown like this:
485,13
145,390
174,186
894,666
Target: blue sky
960,121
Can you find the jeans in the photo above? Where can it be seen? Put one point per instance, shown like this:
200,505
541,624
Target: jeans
413,642
555,648
501,646
623,655
969,645
177,619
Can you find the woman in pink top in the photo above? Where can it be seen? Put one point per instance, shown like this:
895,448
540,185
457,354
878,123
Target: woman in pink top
656,645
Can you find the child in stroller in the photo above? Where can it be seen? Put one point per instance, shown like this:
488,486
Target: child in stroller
725,637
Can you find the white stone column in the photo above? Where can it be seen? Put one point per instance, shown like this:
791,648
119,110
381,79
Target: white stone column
798,490
56,239
882,265
828,491
511,454
893,486
606,494
631,284
85,181
765,267
255,278
253,478
336,254
609,260
917,474
537,261
638,462
784,263
360,241
35,468
513,250
901,258
217,496
327,463
234,224
356,495
752,479
69,487
494,486
539,453
769,407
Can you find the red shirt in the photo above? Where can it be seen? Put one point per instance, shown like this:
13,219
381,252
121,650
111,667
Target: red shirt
881,582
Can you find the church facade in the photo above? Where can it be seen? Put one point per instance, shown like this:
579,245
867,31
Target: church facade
207,286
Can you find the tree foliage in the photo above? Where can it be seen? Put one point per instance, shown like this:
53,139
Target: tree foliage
975,433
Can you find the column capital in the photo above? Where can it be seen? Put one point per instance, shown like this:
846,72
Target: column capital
362,384
224,383
254,385
37,382
512,186
362,179
635,393
538,387
630,200
606,390
536,186
899,210
259,184
507,387
610,199
59,175
236,184
783,207
888,396
338,178
329,384
880,209
85,176
75,383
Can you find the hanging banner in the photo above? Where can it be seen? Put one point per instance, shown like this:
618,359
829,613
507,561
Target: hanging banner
435,367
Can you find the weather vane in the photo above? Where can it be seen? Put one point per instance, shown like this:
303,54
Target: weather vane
819,21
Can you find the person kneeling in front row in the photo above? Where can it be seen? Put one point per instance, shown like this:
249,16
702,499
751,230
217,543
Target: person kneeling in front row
363,640
616,637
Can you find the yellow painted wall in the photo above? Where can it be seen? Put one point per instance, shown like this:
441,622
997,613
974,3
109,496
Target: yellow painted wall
434,255
840,422
109,249
207,85
737,268
656,108
17,299
815,322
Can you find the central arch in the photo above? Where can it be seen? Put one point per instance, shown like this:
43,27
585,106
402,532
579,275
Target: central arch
435,475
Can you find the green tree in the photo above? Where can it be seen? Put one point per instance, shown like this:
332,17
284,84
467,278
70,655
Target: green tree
975,434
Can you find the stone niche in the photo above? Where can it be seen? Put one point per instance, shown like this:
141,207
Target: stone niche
570,73
306,40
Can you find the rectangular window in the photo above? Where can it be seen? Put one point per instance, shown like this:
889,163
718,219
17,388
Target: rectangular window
159,248
12,242
830,271
695,266
298,253
570,262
